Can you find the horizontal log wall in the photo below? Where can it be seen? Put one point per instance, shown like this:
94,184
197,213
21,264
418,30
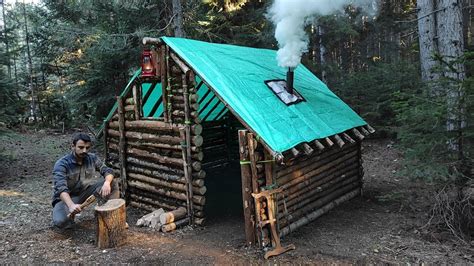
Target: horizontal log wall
315,185
154,161
215,144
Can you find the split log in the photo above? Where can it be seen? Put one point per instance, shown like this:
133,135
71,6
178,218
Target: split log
151,219
111,223
158,182
172,226
156,125
318,212
199,200
172,216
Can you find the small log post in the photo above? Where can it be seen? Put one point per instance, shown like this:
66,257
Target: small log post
248,202
168,109
136,102
164,81
106,135
187,174
172,226
269,168
111,224
253,167
122,146
173,216
187,129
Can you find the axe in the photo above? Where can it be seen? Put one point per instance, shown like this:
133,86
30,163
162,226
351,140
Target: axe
86,203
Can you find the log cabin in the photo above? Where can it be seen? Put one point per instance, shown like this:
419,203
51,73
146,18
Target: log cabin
196,105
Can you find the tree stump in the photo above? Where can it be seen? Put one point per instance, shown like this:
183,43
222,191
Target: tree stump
111,223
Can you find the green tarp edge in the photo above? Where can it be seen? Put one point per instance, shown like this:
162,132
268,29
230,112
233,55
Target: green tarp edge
237,75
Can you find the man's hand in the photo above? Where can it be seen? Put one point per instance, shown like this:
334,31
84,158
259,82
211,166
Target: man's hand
74,208
105,190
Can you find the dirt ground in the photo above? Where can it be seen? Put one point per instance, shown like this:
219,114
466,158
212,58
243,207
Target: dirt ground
385,225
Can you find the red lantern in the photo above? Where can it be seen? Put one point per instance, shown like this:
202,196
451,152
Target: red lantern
148,64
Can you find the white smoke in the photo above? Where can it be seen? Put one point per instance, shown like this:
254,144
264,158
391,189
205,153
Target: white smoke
291,16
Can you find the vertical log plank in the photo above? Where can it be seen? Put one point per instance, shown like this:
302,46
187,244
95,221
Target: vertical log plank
268,168
248,204
253,168
122,146
188,143
164,81
136,102
182,134
168,84
106,135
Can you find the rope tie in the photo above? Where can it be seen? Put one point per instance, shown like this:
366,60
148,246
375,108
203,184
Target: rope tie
248,162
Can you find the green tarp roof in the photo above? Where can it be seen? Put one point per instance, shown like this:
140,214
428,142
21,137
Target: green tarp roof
237,75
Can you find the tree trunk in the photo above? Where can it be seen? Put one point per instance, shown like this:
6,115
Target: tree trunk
178,19
7,50
451,46
322,53
427,35
30,68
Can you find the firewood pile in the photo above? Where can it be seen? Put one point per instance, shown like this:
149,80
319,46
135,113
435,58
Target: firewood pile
166,221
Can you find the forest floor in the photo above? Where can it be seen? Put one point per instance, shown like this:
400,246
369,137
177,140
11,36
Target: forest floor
385,225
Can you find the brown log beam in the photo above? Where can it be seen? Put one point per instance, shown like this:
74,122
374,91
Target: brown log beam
199,200
318,212
325,198
159,182
196,174
156,125
303,167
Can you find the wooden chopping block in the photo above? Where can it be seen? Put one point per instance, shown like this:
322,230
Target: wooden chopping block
111,223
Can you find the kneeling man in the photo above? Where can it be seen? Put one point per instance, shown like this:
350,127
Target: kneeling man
75,180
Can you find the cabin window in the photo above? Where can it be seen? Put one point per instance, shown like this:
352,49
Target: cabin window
278,87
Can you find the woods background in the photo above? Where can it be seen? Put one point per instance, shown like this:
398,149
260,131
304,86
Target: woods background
408,70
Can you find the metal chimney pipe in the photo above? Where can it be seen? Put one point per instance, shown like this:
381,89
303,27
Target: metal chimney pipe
289,80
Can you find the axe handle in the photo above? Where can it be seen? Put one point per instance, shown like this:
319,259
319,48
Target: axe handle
86,203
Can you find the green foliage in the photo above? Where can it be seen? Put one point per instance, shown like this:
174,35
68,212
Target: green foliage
372,92
423,134
239,22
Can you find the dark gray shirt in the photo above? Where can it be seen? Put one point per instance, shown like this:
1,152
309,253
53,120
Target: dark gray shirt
71,177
